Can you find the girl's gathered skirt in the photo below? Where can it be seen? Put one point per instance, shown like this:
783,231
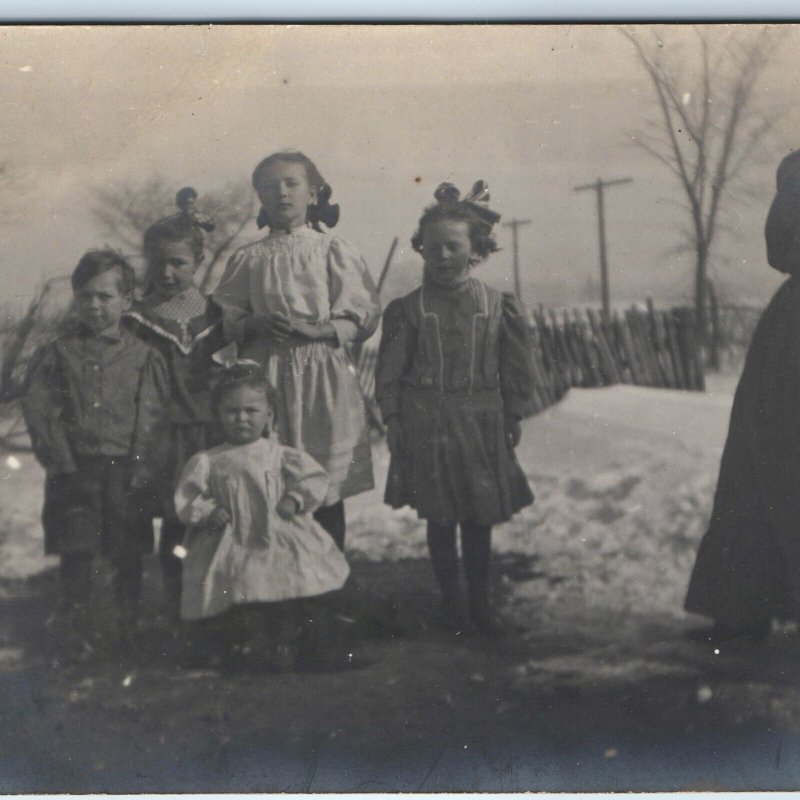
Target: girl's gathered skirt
260,556
221,571
319,409
456,464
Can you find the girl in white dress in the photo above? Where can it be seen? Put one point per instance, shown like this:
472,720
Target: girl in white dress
252,540
291,301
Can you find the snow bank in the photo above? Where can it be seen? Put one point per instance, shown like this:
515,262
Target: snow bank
21,537
624,478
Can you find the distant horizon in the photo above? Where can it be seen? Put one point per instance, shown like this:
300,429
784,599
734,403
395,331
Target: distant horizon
387,113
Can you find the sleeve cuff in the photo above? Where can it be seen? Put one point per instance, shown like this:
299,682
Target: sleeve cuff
298,498
200,510
517,406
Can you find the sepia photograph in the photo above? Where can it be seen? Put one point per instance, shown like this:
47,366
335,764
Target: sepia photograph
399,408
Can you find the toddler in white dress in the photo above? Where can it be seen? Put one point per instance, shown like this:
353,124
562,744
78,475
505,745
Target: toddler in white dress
252,539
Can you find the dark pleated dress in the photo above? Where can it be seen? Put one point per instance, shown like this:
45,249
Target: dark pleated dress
452,364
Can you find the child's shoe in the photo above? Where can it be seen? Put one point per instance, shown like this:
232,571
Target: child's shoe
76,645
484,619
263,653
450,616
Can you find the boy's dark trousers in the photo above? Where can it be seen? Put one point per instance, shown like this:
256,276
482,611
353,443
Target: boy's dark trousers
476,547
90,512
186,440
172,533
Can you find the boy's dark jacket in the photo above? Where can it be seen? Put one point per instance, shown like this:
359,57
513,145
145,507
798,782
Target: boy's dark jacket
97,396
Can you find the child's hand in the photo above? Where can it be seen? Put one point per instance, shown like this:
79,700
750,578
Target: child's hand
394,436
308,330
275,325
217,520
288,507
513,431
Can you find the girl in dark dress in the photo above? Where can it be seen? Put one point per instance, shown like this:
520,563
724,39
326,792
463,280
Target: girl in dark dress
453,381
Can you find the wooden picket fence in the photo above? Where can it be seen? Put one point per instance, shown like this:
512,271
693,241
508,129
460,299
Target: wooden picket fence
579,348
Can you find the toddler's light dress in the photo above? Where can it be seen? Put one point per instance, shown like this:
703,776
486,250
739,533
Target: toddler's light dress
260,556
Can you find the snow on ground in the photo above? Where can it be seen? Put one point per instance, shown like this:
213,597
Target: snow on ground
21,491
624,478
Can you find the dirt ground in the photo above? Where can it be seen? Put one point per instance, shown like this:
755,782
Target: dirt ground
596,688
576,701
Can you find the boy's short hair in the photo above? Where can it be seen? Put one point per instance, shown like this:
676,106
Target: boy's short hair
96,262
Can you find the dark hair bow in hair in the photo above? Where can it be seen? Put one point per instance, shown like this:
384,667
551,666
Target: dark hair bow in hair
185,199
477,199
262,220
228,357
321,211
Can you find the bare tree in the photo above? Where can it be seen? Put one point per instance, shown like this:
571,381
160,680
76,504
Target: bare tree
126,210
21,334
708,128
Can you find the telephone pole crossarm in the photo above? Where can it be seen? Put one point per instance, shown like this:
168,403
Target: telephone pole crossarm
603,183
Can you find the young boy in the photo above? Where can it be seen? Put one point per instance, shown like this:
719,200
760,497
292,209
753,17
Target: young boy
93,408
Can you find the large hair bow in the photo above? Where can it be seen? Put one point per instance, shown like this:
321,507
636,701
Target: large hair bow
447,194
322,211
228,357
186,200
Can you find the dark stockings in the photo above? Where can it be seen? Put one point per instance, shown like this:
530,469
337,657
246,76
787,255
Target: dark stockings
444,560
476,546
76,579
332,519
76,582
476,542
128,586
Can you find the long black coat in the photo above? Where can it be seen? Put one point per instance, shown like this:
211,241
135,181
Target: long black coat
748,564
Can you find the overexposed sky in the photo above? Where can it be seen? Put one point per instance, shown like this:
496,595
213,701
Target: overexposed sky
387,112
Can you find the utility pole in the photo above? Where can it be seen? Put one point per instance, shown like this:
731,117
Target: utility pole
514,225
598,187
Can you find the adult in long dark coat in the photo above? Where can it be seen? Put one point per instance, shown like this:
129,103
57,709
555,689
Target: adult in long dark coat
748,566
